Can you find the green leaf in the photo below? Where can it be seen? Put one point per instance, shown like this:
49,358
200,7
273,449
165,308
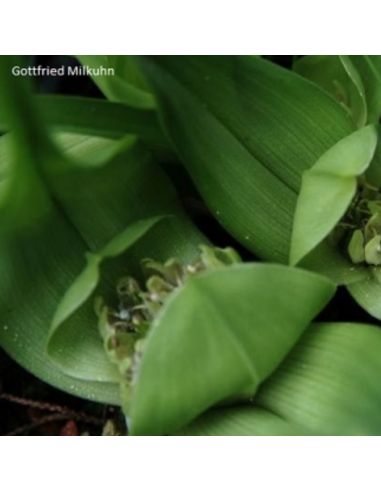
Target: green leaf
328,189
244,420
21,184
369,67
246,130
359,105
218,338
88,205
37,266
330,383
96,117
127,85
338,76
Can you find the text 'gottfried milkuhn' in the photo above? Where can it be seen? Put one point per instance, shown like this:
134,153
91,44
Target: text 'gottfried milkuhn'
78,71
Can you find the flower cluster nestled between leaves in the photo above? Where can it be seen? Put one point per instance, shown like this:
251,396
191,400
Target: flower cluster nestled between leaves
124,329
364,216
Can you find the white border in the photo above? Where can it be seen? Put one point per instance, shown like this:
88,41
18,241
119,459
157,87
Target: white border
190,464
190,27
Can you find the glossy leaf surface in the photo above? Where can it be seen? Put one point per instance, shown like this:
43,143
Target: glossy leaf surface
39,265
327,385
330,382
328,188
338,76
87,206
246,130
218,338
369,68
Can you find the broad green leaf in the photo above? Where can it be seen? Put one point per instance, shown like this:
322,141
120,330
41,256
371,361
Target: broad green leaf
19,186
247,96
64,345
218,338
77,151
96,117
126,85
244,420
360,83
328,188
87,224
38,267
246,130
359,107
369,67
88,206
338,76
21,183
330,383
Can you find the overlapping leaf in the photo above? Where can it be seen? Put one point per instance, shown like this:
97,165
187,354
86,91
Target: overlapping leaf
330,382
316,217
218,338
328,188
355,81
95,117
369,68
339,76
87,206
327,385
126,85
244,420
246,130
